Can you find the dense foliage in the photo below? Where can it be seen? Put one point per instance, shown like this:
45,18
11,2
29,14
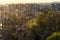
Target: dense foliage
40,27
43,25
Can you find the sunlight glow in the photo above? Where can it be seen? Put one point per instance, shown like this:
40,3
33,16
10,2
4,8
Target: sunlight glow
26,1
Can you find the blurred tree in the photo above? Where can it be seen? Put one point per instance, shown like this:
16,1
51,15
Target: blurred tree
54,36
11,23
44,24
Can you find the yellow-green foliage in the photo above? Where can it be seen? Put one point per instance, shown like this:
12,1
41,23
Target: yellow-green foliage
54,36
35,21
32,22
49,22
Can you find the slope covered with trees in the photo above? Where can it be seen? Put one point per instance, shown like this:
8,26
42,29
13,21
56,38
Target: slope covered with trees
30,22
39,28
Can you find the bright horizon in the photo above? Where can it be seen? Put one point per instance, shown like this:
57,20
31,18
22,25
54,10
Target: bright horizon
26,1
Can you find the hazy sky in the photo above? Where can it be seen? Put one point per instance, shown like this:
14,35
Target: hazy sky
26,1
